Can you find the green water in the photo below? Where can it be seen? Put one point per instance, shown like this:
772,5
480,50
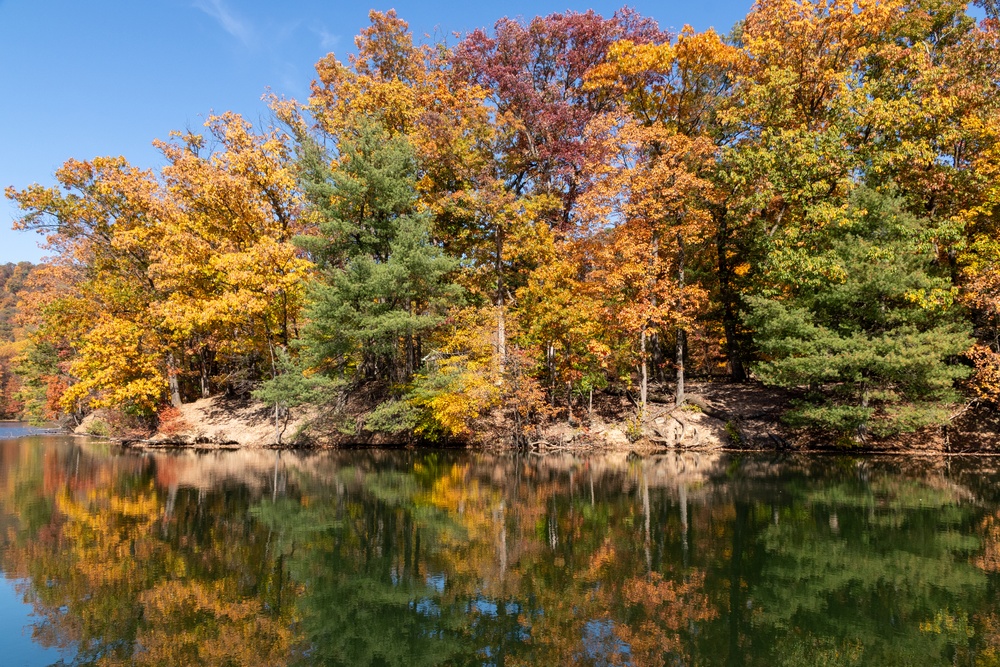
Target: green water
424,558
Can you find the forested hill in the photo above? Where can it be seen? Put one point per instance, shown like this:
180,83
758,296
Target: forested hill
446,240
13,278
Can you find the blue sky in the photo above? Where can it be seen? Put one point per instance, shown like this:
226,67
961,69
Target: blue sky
105,77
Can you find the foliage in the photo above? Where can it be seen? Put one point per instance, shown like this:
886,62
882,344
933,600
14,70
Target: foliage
290,386
155,278
860,316
483,233
460,383
384,284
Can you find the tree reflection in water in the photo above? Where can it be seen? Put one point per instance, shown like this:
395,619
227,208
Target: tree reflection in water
426,558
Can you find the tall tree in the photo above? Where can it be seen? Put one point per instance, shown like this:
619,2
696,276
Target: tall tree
653,182
101,231
533,75
384,283
233,281
190,268
862,318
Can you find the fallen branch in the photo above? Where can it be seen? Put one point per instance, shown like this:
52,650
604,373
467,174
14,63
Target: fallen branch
963,410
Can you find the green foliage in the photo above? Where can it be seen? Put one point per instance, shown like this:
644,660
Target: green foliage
99,428
385,283
733,431
861,315
38,364
633,428
364,199
393,416
290,386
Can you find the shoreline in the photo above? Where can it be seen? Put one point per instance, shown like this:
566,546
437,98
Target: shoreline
731,418
638,449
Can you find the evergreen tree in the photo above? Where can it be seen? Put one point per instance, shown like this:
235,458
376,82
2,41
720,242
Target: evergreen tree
289,387
861,314
384,284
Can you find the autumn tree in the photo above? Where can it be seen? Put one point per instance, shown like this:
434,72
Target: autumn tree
653,189
98,224
233,281
976,145
44,349
836,95
191,268
533,76
787,125
649,200
13,279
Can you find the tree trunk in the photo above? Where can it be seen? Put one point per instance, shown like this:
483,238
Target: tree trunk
727,294
656,354
204,375
501,324
679,390
569,402
655,337
277,431
411,363
643,376
734,350
862,436
550,356
175,390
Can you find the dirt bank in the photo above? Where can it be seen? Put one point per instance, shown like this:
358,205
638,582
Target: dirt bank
716,415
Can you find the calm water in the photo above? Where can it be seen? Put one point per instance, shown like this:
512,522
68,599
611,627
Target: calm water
426,558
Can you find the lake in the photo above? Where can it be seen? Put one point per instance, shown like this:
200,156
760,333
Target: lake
375,557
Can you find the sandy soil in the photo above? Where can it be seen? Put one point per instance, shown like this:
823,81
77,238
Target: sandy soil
717,415
225,422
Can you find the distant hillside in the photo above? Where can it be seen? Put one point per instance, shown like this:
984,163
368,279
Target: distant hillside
12,281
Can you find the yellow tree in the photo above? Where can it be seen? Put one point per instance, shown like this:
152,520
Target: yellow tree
975,169
193,267
101,231
673,91
232,279
653,195
561,323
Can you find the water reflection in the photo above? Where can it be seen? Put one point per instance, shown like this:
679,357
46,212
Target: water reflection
427,558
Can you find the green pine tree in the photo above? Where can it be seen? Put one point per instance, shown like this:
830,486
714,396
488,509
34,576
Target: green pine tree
290,387
862,316
384,284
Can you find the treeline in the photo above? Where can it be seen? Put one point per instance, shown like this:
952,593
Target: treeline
500,228
12,280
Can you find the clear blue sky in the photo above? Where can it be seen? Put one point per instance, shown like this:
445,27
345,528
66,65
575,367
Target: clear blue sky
106,77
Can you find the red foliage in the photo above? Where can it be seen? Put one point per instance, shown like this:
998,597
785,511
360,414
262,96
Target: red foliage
535,75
